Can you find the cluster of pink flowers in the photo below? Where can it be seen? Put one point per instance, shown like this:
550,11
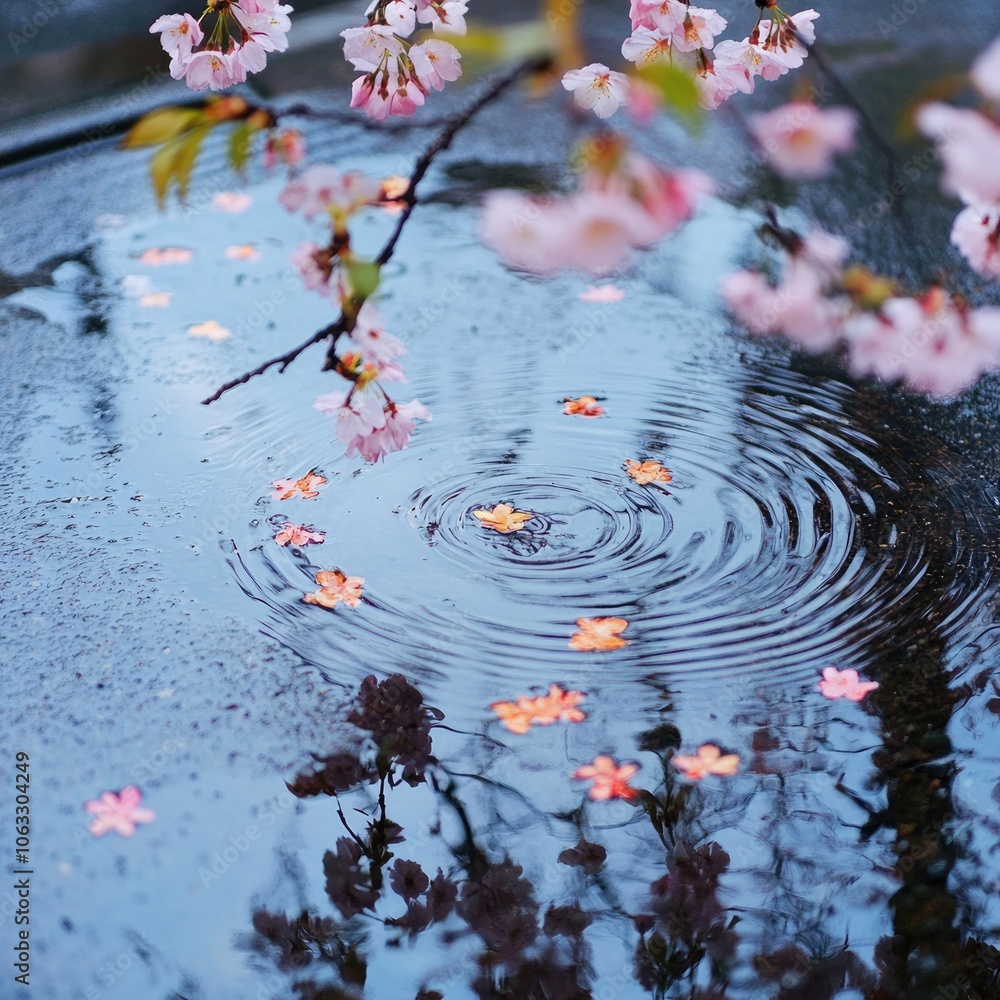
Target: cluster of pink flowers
237,44
969,143
675,31
397,74
624,201
933,343
369,423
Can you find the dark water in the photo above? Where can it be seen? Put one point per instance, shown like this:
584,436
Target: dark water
155,634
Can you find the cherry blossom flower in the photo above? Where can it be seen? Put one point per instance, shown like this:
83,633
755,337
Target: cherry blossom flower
598,88
503,518
212,69
844,684
977,234
708,759
315,266
369,47
799,306
602,293
645,46
232,201
717,82
662,15
323,190
969,144
800,140
179,33
156,256
119,812
242,251
647,472
610,779
155,299
305,487
599,634
287,145
556,706
602,227
525,231
299,535
435,63
211,330
584,406
375,345
370,426
697,30
336,588
985,71
446,16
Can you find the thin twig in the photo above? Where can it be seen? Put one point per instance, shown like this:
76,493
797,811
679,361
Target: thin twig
408,200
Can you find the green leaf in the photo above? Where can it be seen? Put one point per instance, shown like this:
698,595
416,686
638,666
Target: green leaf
239,145
175,161
160,126
677,88
364,276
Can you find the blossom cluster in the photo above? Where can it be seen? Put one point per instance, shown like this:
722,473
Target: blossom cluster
397,75
673,31
623,201
933,342
242,35
969,143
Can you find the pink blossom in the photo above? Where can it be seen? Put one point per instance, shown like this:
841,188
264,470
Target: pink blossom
446,16
645,46
985,72
597,87
844,684
321,189
232,201
435,63
179,34
522,230
799,306
299,535
716,84
315,267
119,812
369,47
602,293
401,16
660,15
600,229
697,30
375,345
800,140
707,759
644,100
288,145
213,70
610,779
977,234
969,144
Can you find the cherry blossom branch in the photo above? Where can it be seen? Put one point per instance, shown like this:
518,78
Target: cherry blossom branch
408,199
